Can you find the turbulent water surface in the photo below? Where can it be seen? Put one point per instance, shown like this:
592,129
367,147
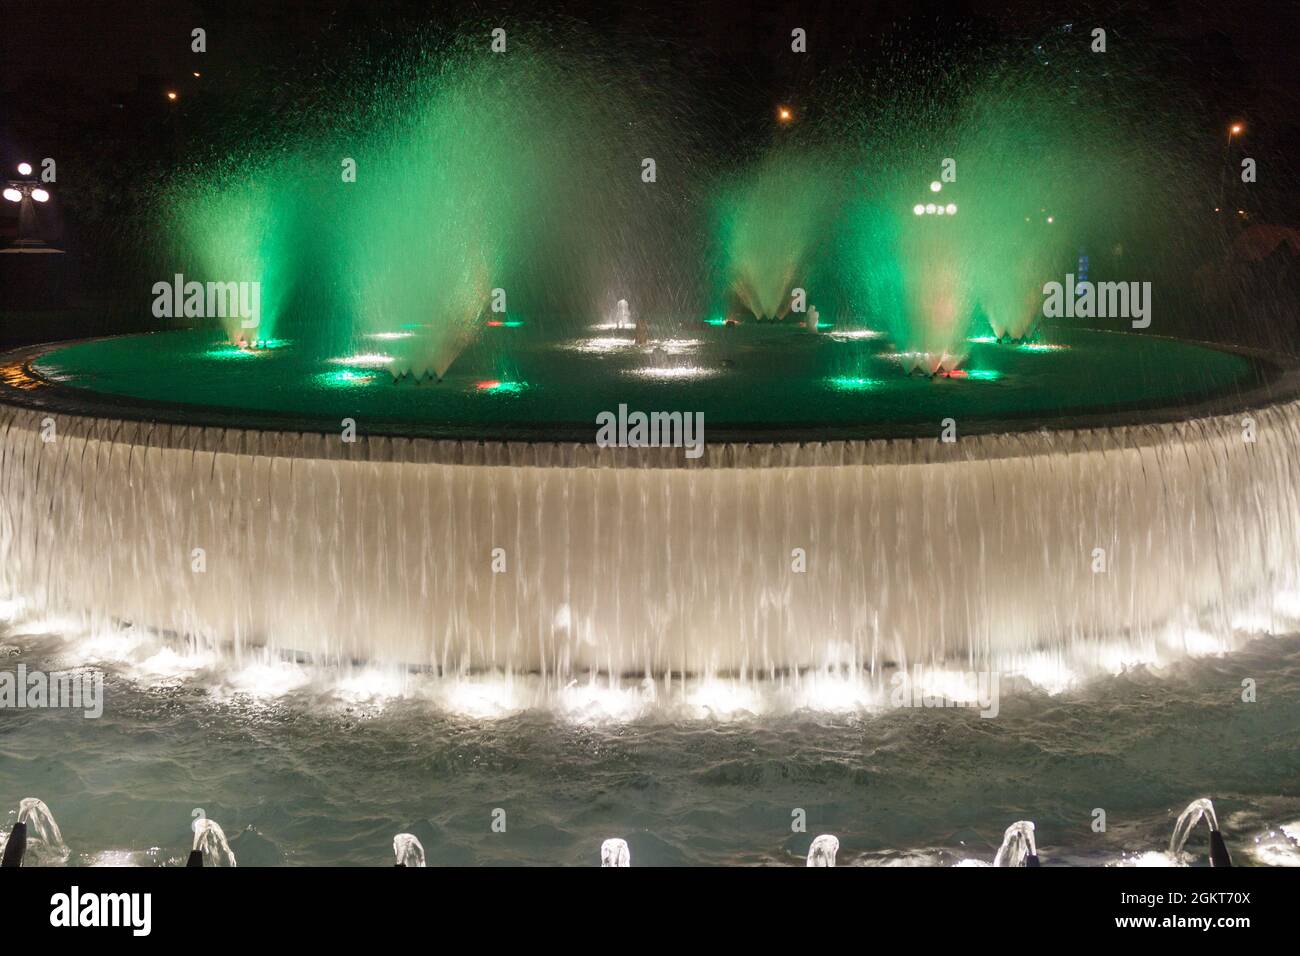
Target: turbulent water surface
305,767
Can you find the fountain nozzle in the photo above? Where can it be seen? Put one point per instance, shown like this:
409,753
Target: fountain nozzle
823,850
614,852
1218,850
16,847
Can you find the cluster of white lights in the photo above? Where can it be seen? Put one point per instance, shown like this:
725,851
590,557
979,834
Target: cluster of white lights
367,360
674,371
932,208
849,335
15,195
603,343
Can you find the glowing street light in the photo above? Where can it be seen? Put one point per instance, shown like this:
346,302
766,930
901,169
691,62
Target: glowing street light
171,95
784,114
1234,129
25,191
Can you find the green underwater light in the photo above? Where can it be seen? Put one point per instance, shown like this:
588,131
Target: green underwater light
850,383
225,351
345,378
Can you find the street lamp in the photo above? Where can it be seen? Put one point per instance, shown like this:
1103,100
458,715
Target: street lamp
1234,129
25,191
935,208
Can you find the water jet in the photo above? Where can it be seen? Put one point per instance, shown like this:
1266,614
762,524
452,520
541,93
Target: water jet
614,852
1198,810
408,850
823,850
1018,847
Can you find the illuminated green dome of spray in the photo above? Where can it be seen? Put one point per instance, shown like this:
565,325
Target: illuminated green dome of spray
523,172
775,226
968,199
474,172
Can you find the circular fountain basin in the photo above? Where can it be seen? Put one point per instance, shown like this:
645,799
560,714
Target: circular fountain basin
754,383
1105,500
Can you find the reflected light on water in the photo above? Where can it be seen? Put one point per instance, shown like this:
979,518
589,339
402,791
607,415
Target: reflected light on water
674,372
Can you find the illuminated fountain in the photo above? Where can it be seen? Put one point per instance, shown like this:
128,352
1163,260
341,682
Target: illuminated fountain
775,224
1052,506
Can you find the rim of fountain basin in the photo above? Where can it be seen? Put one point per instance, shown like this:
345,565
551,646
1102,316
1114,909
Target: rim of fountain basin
215,429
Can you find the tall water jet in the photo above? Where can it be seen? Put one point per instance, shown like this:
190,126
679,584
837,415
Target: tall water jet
1197,811
977,185
408,850
1018,848
453,172
228,225
775,226
456,202
823,850
615,852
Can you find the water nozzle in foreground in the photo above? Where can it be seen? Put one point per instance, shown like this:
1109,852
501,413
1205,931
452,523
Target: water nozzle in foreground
1018,846
1218,850
1187,820
46,832
209,839
823,850
614,852
16,847
408,850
